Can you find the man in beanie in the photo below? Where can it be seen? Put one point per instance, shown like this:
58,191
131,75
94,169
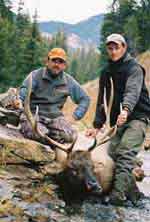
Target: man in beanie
50,88
131,94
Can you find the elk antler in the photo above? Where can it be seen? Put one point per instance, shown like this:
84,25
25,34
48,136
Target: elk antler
34,123
109,131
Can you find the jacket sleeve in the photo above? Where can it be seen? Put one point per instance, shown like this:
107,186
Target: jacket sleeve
133,88
24,86
100,117
78,96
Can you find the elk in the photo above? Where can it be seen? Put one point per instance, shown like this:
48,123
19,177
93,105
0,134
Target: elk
93,168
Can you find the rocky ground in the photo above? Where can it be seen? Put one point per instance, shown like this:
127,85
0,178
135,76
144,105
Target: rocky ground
29,191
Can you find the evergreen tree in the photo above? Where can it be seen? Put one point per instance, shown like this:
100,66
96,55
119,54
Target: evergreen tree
143,20
59,40
6,33
131,19
21,36
5,12
6,53
32,52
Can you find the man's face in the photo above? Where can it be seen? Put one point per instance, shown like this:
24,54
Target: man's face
56,65
116,50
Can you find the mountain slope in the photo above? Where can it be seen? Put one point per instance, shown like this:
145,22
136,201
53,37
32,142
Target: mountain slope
87,30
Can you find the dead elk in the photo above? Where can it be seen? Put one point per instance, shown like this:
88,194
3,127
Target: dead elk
94,169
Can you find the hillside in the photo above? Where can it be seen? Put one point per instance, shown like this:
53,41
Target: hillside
88,30
144,60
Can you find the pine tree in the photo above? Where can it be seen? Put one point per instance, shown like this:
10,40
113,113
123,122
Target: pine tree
131,19
5,10
32,52
21,36
59,40
6,32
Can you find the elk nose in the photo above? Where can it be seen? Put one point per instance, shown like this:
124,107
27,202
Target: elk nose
94,187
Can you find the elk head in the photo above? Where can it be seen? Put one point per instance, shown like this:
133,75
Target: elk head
79,173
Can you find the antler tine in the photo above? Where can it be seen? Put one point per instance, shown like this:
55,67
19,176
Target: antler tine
27,110
105,104
34,125
107,136
110,131
93,145
108,109
111,98
69,150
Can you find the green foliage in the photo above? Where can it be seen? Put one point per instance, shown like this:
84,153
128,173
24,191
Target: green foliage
21,46
23,49
130,18
84,64
5,6
59,41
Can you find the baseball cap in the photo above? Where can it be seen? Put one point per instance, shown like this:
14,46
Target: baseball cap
57,53
115,37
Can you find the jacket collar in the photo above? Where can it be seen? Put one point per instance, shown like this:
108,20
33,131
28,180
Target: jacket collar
125,58
48,76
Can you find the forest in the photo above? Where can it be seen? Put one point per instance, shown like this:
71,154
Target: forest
23,48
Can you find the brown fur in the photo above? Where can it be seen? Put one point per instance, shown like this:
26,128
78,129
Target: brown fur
101,163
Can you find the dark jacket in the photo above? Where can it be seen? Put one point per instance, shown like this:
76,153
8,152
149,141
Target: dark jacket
129,91
50,93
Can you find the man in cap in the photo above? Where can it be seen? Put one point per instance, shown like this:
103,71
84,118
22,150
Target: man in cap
50,88
130,111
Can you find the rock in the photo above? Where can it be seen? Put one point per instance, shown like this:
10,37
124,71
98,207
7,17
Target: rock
15,149
28,190
9,116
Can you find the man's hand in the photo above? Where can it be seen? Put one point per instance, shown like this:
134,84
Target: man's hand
92,132
122,118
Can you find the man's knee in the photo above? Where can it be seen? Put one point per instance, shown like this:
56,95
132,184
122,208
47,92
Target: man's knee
61,130
63,136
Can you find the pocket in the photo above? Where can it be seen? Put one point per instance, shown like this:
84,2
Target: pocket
61,90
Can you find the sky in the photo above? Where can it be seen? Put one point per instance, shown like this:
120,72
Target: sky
71,11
